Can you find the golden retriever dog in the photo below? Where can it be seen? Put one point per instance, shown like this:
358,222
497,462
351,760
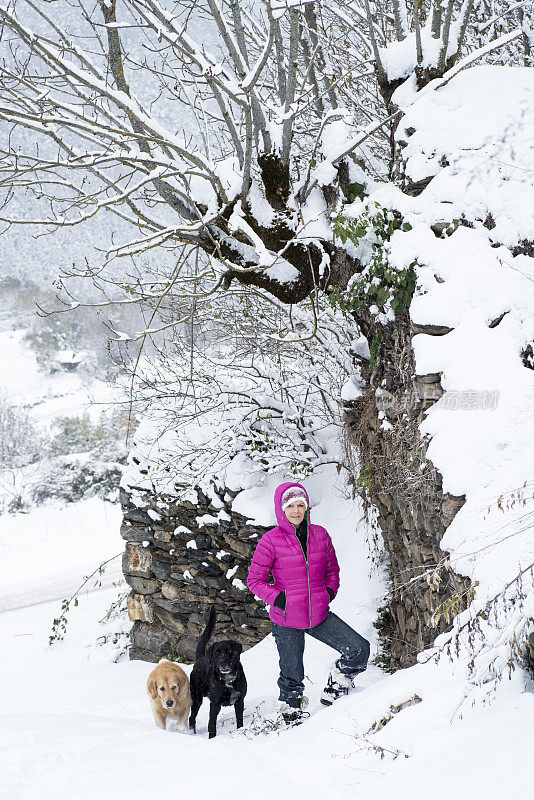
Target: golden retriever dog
168,687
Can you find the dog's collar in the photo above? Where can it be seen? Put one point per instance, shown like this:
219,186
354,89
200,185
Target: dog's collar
227,680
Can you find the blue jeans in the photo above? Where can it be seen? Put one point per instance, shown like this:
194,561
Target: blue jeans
332,631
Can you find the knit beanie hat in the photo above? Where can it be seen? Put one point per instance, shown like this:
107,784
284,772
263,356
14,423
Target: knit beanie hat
293,494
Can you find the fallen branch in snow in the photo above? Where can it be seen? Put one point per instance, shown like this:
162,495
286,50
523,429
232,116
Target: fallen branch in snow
262,725
377,726
381,750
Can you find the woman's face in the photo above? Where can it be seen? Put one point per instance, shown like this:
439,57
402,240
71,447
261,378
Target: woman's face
295,512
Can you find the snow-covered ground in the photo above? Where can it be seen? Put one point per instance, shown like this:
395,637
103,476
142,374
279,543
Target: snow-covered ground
74,722
79,721
46,554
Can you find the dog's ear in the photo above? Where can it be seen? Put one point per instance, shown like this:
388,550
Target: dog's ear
152,688
238,648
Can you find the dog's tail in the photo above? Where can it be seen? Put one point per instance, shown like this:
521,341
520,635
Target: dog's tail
206,636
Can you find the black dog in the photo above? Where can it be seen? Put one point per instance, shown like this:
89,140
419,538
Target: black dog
217,674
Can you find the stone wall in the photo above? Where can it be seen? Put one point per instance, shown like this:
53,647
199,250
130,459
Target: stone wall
394,475
179,560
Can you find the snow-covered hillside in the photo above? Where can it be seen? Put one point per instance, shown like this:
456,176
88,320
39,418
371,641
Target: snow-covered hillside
61,424
47,549
47,552
47,395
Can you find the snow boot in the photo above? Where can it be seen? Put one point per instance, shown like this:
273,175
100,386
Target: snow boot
291,715
337,686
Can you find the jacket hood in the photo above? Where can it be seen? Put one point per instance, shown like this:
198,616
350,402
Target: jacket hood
281,518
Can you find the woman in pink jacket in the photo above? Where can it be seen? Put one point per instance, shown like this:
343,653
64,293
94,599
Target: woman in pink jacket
304,566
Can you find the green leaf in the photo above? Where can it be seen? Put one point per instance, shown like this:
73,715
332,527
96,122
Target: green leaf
381,296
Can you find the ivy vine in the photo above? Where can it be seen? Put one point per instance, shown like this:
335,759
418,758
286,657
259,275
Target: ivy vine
380,284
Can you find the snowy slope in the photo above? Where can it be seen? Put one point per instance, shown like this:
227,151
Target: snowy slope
46,553
80,725
84,729
47,398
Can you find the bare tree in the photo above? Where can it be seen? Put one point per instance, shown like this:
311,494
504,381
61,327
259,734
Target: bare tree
287,102
234,390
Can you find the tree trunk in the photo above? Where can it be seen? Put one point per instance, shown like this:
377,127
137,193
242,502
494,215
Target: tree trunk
395,476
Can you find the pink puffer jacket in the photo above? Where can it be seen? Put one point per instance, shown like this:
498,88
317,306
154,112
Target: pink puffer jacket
304,582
